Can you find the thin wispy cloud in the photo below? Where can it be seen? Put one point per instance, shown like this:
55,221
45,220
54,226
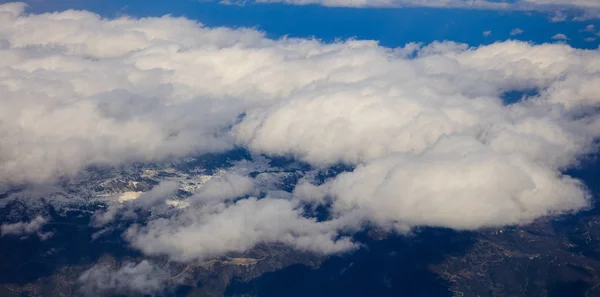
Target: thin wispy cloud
516,31
559,8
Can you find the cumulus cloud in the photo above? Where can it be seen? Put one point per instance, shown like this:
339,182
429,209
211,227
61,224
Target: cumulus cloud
410,104
516,31
426,127
66,106
217,229
104,216
130,278
124,209
156,195
560,36
224,188
558,16
26,228
486,188
590,28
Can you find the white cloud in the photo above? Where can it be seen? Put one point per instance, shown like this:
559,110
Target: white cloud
516,31
409,104
26,228
102,217
487,33
224,188
154,197
590,28
433,141
217,229
72,107
589,8
558,16
458,183
157,194
560,36
131,278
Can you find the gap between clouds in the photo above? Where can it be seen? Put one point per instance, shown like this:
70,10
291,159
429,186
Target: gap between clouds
432,141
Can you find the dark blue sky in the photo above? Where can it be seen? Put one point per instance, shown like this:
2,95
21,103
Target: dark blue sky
392,27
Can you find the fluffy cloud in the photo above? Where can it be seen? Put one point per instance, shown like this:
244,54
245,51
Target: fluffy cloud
26,228
131,278
410,104
560,36
156,195
432,139
104,216
65,105
458,183
516,31
224,188
590,28
125,209
217,229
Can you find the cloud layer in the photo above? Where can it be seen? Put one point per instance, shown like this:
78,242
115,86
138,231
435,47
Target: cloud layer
432,138
588,8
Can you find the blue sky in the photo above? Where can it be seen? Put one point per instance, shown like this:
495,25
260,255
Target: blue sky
391,26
